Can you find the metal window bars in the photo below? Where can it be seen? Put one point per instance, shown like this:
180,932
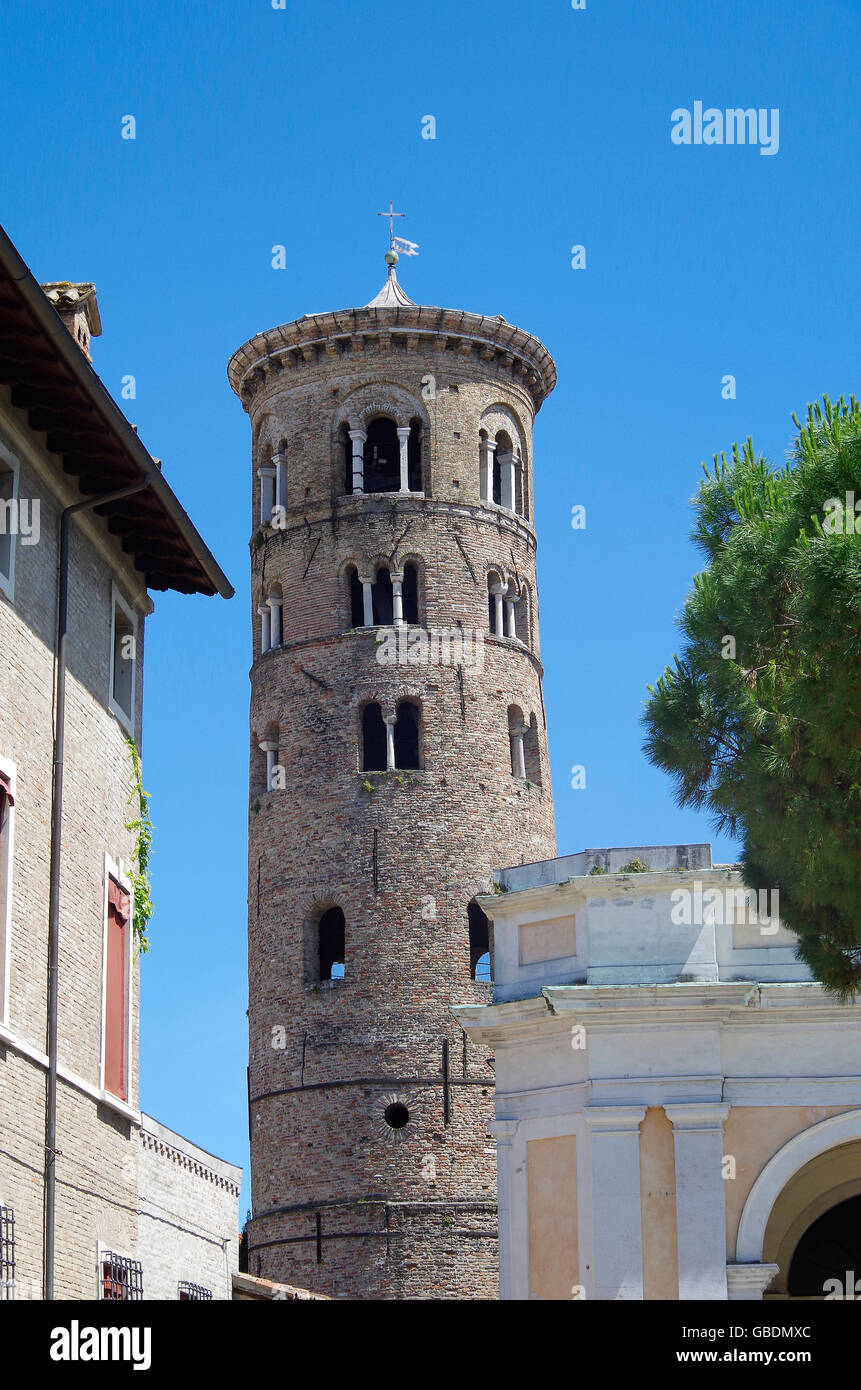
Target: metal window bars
189,1292
7,1254
122,1279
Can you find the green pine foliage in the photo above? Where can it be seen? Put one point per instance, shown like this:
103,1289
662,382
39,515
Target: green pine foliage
759,718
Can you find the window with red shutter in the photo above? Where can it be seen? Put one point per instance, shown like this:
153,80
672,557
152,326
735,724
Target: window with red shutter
119,912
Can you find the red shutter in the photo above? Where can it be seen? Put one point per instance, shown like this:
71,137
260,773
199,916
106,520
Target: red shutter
119,905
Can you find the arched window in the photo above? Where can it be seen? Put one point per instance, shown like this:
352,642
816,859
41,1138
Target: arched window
383,598
382,456
521,617
345,448
407,735
269,745
414,456
496,491
357,600
331,936
495,606
373,739
275,603
532,752
411,594
479,943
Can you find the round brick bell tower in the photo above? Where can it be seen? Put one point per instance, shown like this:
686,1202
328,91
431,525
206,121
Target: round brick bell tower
398,755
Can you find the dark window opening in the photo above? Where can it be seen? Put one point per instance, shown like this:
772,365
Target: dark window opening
382,457
396,1115
346,445
357,600
411,594
192,1293
407,736
332,936
384,607
479,941
122,1279
7,1254
373,739
828,1250
414,456
518,489
492,583
497,481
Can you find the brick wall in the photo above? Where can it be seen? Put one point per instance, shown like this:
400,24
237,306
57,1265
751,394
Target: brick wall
342,1202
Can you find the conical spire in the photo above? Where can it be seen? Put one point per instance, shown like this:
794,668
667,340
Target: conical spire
391,296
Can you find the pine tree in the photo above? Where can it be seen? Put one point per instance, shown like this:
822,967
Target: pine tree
759,719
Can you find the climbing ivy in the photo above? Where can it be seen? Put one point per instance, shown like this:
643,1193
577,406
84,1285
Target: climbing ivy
142,827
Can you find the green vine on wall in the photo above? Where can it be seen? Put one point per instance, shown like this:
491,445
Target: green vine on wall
143,846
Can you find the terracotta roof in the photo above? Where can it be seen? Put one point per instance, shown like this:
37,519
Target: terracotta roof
51,378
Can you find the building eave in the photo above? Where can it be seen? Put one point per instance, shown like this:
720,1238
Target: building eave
52,379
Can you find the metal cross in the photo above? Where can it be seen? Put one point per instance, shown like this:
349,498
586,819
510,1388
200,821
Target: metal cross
391,215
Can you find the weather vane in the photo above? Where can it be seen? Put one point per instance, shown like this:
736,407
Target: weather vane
397,244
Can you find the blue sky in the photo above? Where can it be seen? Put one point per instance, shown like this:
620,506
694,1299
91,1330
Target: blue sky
258,126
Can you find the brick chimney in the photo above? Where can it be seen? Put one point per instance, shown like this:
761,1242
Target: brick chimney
77,307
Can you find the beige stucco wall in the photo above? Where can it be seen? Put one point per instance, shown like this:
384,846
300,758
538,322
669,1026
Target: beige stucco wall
658,1195
752,1135
554,1264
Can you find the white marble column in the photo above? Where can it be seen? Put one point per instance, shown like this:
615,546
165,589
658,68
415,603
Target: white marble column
274,622
390,721
403,439
510,626
518,759
265,629
618,1218
358,438
503,1131
508,464
486,470
700,1198
367,602
270,748
499,627
398,600
279,460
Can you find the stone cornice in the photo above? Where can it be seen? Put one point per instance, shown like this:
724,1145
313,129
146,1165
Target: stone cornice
582,887
326,337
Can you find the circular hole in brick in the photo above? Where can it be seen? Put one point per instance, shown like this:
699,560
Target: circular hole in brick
396,1115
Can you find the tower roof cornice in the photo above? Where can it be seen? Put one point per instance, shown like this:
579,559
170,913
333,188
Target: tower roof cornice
314,337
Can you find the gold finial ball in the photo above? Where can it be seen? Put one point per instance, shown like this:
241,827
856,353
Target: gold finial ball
391,258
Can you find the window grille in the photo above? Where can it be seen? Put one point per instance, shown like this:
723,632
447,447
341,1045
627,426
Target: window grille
7,1254
122,1279
192,1292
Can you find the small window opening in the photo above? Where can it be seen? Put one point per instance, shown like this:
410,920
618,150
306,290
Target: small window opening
414,456
407,735
373,739
332,936
384,608
122,676
122,1279
357,599
7,1254
411,594
396,1115
382,457
479,943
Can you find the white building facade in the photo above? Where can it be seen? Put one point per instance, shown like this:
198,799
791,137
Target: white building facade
678,1104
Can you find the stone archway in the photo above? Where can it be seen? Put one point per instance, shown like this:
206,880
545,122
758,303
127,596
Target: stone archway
814,1172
